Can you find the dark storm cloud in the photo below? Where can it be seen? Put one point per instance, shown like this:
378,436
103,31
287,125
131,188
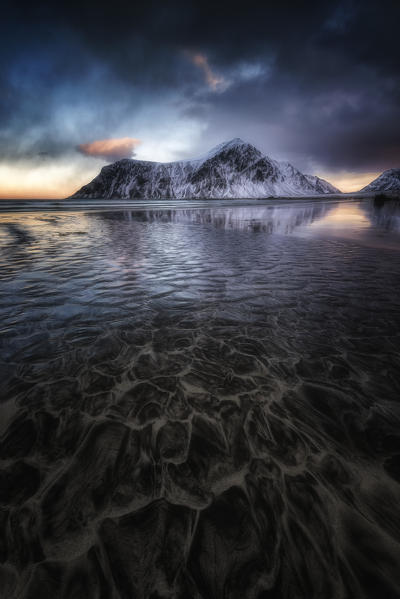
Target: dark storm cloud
316,82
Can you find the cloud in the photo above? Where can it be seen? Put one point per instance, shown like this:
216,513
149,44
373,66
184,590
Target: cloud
313,89
110,149
215,82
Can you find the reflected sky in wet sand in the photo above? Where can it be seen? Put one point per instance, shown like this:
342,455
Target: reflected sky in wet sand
200,400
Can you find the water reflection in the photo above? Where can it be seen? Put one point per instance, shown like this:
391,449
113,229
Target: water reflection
364,221
385,215
282,219
200,402
328,217
350,215
339,219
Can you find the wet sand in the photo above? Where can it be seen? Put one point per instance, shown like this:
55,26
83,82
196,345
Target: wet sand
200,402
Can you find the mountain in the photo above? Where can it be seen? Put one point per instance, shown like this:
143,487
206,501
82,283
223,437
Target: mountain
321,186
234,169
388,181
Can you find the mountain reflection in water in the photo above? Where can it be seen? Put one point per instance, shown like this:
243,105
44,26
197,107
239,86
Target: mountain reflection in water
200,400
268,219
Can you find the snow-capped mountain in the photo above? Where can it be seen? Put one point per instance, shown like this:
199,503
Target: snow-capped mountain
234,169
388,181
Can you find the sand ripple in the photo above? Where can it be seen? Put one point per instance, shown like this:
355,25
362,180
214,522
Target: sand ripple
197,409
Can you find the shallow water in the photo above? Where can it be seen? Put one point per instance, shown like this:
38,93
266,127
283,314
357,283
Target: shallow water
200,400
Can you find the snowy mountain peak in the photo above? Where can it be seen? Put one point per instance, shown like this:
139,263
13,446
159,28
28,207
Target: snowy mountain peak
233,169
233,145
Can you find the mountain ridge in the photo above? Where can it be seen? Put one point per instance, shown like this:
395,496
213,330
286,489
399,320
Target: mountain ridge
389,180
233,169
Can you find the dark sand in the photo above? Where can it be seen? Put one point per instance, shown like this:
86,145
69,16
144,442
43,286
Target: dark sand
200,403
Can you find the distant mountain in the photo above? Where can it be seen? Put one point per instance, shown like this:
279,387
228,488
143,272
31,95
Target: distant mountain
388,181
234,169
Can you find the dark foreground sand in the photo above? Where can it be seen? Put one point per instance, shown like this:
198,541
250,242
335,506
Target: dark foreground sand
198,409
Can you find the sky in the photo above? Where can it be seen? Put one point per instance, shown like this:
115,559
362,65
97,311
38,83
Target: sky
83,84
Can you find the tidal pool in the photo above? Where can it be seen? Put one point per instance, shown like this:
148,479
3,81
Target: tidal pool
200,400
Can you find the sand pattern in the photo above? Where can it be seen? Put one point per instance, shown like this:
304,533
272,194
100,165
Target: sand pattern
198,404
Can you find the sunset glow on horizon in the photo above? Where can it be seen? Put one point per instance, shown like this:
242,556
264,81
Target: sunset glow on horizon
55,180
42,181
349,182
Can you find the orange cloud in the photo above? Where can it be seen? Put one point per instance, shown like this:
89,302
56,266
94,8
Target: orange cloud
214,81
110,149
